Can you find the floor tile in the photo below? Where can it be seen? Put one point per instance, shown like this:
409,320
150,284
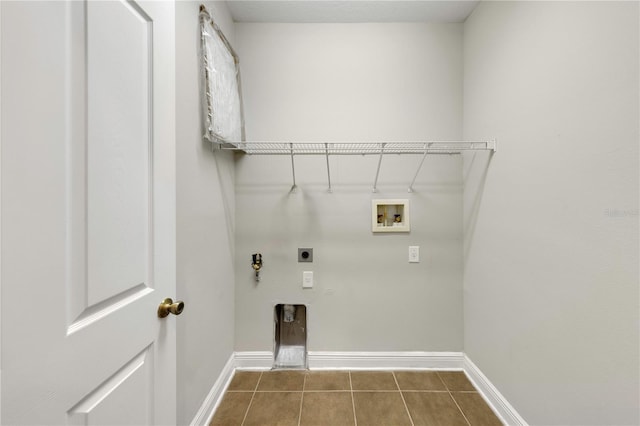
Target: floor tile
327,409
244,381
293,397
274,409
373,380
327,380
476,409
419,380
380,408
456,381
433,408
232,409
281,381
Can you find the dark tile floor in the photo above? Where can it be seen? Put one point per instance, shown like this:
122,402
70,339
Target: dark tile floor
362,398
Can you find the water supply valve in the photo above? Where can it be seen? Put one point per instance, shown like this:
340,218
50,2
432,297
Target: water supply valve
256,264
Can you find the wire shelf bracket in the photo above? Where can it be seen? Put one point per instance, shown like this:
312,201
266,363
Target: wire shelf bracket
293,170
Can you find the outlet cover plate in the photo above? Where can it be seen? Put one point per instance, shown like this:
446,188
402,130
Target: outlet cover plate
307,279
414,254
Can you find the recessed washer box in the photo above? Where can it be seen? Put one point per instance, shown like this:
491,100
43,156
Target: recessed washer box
305,255
390,215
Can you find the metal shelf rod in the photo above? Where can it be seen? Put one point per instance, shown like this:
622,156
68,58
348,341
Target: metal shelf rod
293,170
326,147
375,182
419,168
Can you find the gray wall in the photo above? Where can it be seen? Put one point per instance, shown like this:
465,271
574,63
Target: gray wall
548,231
360,82
551,226
205,222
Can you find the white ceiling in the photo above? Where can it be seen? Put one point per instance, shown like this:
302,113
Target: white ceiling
307,11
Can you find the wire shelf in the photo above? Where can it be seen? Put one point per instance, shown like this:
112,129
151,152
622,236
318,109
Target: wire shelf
381,149
360,148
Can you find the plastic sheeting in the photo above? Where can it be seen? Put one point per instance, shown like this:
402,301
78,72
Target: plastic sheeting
221,103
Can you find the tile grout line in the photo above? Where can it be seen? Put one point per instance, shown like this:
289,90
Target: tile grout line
353,403
304,384
402,396
251,401
461,412
454,401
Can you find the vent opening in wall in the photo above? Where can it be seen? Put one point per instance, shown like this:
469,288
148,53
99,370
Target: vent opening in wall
290,336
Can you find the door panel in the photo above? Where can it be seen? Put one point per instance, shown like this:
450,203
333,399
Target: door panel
104,405
118,147
88,212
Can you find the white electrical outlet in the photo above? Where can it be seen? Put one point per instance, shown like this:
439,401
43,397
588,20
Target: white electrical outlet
414,254
307,279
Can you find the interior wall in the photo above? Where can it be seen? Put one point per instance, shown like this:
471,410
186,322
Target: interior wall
551,224
205,224
350,82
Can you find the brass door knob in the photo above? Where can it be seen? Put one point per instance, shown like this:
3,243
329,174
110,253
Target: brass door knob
168,306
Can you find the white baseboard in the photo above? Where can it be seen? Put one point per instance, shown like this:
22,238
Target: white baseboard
492,396
255,360
320,360
385,360
205,413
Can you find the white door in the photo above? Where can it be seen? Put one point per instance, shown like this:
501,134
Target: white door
88,212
